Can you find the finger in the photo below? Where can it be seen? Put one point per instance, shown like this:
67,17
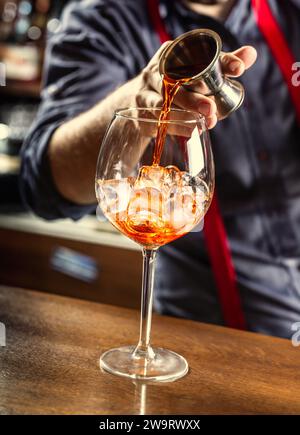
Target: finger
211,121
234,64
148,98
151,73
194,101
154,79
247,55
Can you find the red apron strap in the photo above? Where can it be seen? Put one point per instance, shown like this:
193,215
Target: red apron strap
214,230
278,45
158,24
223,268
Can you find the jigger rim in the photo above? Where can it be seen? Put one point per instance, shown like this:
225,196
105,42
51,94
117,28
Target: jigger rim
177,40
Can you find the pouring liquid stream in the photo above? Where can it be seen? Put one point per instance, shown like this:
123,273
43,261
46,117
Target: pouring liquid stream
170,89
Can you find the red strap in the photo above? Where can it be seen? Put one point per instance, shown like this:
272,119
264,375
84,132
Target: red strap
214,230
223,268
278,45
158,24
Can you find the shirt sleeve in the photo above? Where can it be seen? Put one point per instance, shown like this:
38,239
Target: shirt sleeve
84,62
296,2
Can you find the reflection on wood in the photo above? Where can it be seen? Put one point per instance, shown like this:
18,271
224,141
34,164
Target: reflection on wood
50,363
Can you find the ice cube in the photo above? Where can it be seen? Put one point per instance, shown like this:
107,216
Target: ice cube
146,206
184,207
198,185
185,179
114,195
171,178
151,176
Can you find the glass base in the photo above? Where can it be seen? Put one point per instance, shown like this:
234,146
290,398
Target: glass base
163,366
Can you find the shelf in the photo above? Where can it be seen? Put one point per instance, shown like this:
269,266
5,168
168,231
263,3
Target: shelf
87,230
22,89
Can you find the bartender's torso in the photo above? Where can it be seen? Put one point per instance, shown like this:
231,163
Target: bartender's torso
256,150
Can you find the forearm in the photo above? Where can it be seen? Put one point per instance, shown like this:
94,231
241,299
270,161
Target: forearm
74,147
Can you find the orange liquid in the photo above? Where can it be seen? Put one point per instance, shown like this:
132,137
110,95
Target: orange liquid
148,234
150,217
156,229
170,89
152,212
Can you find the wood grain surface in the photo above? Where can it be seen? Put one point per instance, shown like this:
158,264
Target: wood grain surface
50,363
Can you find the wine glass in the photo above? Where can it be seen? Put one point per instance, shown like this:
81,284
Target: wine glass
153,204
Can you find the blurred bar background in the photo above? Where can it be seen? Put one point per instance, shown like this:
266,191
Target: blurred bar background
87,259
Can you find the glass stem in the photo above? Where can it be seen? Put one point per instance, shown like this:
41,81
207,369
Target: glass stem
143,349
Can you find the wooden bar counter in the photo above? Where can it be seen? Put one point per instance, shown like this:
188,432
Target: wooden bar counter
53,343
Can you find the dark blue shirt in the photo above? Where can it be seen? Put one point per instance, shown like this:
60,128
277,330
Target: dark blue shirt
104,43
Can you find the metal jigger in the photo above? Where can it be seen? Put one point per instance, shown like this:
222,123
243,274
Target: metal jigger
194,57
